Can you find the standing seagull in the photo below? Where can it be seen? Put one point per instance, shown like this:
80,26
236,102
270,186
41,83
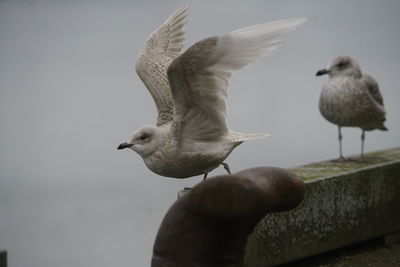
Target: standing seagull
351,99
191,91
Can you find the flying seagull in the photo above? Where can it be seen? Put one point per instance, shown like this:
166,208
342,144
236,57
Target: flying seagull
351,99
190,90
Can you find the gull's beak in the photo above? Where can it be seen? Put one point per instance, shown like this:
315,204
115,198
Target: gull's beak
124,145
322,72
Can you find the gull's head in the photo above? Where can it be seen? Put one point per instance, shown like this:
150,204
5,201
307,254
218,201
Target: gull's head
144,140
342,66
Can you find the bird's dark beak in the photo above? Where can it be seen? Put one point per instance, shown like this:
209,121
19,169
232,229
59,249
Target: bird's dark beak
322,72
124,145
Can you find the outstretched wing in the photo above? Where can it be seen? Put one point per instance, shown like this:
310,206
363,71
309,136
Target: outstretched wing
373,88
163,45
199,78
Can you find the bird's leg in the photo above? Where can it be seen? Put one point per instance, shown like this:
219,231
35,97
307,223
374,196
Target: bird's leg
205,176
362,143
340,144
226,167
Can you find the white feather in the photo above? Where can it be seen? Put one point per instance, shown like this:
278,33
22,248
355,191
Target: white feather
242,47
199,78
162,46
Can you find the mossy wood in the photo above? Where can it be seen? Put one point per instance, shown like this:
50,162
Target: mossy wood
345,202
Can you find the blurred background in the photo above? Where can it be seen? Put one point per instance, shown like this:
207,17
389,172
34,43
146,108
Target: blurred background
69,95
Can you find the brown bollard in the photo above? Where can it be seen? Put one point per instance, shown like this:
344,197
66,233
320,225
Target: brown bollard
209,225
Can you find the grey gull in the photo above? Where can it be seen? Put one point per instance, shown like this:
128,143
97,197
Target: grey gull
190,90
351,99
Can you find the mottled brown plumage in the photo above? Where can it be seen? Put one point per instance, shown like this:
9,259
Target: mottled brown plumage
351,99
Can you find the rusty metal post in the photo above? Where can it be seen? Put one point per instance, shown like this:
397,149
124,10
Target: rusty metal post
3,258
209,226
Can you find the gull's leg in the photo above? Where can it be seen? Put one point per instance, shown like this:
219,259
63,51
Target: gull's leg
362,143
226,167
340,144
205,176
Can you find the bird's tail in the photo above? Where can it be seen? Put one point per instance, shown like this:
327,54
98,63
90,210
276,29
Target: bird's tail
240,137
383,127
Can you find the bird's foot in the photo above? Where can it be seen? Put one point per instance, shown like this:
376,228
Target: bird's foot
359,159
340,159
352,159
184,191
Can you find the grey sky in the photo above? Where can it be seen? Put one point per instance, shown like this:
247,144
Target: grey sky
69,95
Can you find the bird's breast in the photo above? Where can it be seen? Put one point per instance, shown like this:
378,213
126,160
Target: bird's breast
183,164
344,102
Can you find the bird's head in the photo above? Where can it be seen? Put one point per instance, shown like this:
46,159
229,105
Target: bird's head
144,140
342,66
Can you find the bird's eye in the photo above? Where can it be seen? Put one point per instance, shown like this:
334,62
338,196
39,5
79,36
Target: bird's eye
341,64
143,137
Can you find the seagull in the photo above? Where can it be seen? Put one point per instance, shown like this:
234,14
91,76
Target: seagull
351,99
190,90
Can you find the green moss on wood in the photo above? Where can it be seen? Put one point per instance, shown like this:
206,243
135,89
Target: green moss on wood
326,169
345,203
